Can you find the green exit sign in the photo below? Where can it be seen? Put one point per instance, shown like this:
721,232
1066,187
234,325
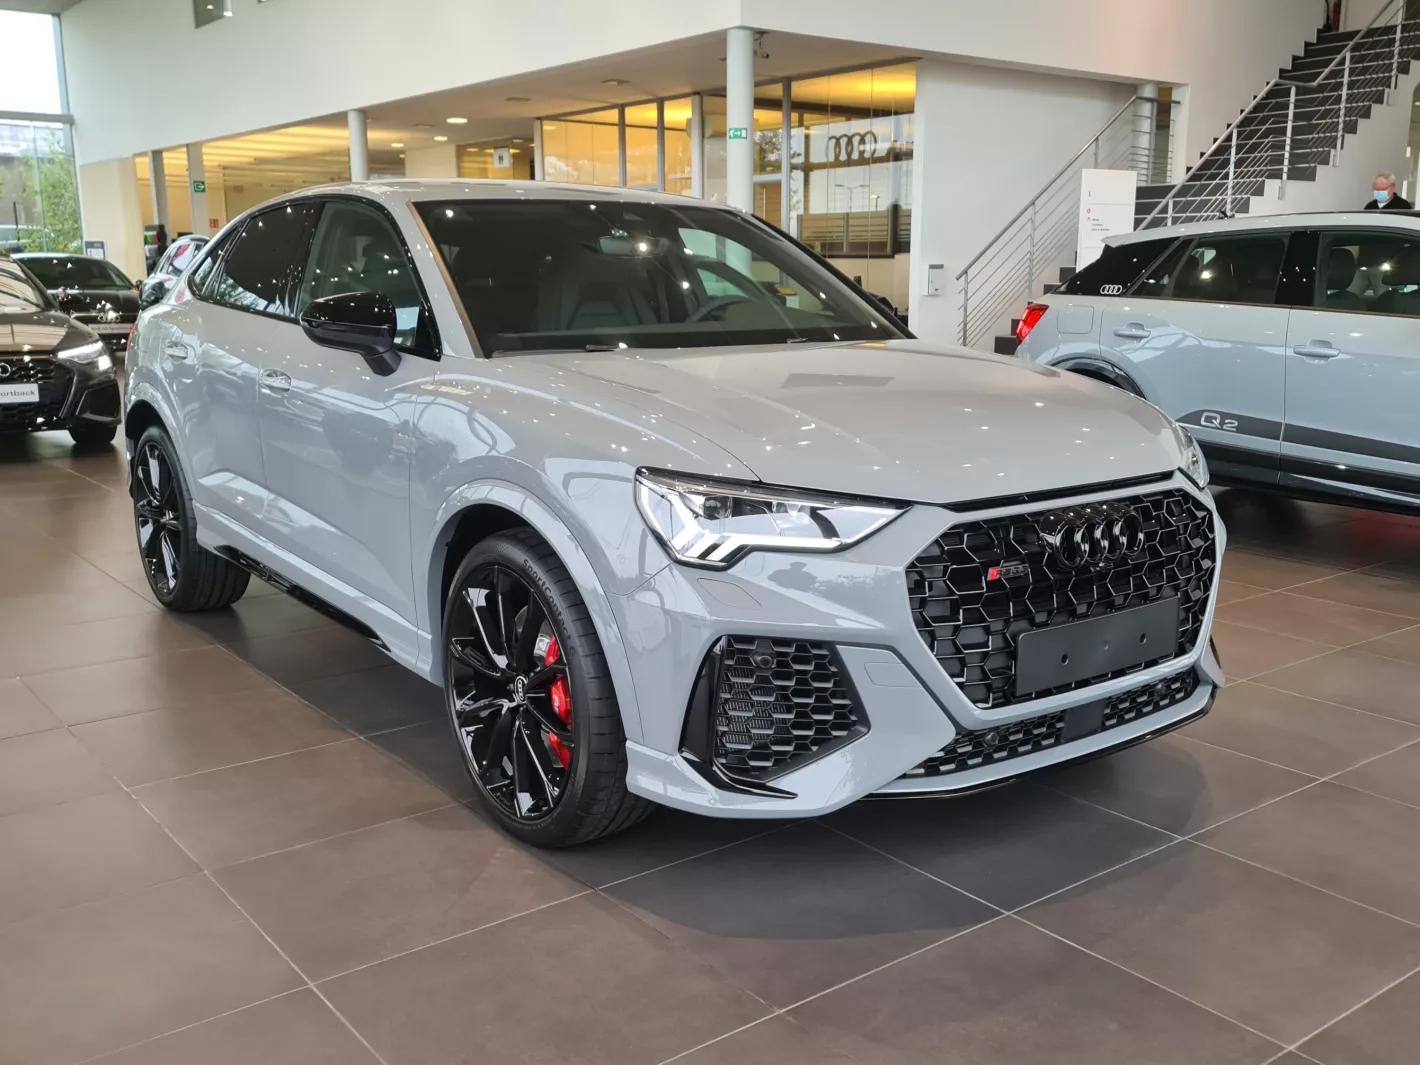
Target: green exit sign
199,186
738,133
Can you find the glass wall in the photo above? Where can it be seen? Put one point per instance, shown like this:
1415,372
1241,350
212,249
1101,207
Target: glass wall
39,196
583,149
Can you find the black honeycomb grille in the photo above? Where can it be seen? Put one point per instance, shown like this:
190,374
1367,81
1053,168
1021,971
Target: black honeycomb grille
779,701
971,623
979,747
53,381
26,370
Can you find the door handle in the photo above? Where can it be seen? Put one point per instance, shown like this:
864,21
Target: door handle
1317,349
275,381
176,349
1132,331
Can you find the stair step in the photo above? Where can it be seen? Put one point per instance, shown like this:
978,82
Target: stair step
1006,345
1066,272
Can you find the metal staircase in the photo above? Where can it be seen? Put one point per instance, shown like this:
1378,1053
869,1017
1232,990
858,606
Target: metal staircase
1296,124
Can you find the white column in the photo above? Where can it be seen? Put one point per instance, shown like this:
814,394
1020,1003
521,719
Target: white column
697,145
109,201
359,146
538,172
739,117
439,161
1142,160
197,180
621,146
158,179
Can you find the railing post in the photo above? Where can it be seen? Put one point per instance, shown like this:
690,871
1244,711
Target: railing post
965,303
1030,257
1287,141
1097,153
1341,122
1399,26
1232,165
1168,209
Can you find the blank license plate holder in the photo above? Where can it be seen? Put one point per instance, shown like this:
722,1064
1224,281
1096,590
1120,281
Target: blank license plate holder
1065,654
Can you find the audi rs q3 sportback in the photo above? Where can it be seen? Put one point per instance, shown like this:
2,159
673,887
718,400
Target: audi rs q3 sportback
671,510
1287,344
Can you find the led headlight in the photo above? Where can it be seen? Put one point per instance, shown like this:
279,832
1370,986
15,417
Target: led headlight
1194,465
711,523
92,355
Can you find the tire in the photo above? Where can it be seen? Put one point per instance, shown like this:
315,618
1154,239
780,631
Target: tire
93,435
591,799
182,575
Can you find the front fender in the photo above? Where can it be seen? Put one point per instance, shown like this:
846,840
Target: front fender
528,507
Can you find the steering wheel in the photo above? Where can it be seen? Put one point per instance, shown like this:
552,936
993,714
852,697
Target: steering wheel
716,305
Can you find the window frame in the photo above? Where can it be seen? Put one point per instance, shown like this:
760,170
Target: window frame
1322,232
436,347
1285,235
1171,244
229,242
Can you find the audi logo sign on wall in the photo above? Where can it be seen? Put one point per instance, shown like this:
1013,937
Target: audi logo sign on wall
1093,536
848,147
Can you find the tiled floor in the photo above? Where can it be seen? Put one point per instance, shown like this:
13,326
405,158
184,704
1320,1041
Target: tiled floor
243,837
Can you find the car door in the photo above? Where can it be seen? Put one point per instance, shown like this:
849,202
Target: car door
210,349
1353,367
336,435
1204,335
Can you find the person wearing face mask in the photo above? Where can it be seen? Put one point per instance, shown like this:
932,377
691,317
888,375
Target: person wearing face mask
1383,194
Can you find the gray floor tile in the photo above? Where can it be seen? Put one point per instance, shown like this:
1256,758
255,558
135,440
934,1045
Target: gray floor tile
1355,844
1008,846
1267,571
89,693
1246,652
374,700
431,751
609,991
784,916
63,854
367,895
1007,993
48,767
91,642
294,1029
230,814
1278,956
323,652
1404,645
1234,591
219,730
781,1040
1372,590
24,613
1354,678
1303,734
21,711
1175,784
258,616
1308,618
1395,775
97,977
1385,1031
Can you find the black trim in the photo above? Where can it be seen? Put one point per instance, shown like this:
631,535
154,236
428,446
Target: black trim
1092,366
1300,270
1239,465
1028,498
1352,445
1088,756
301,595
1341,473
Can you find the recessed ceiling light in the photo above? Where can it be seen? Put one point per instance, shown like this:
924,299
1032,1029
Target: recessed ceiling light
396,144
440,137
517,99
615,83
456,121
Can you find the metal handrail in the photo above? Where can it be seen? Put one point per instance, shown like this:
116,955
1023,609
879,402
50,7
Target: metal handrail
1343,58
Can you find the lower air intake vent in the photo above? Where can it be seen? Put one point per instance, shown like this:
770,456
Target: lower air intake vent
764,706
979,747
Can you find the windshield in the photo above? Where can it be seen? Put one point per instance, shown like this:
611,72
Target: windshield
573,274
18,294
75,271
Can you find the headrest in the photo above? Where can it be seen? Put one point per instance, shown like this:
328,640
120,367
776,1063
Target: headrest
1404,268
1340,268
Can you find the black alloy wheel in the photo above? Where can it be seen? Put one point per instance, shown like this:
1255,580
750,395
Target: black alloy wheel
156,507
511,694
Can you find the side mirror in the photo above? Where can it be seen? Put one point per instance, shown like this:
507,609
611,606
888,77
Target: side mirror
362,322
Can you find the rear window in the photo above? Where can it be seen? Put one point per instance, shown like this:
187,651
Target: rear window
1231,269
1117,268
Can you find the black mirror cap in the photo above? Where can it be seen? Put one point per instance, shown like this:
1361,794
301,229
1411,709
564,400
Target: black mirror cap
362,322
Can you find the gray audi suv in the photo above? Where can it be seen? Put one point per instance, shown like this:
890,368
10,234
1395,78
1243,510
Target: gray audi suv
673,511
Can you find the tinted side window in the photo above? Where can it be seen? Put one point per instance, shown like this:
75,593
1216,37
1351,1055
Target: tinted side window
1231,269
180,255
1155,283
265,261
202,276
1117,268
1369,271
357,250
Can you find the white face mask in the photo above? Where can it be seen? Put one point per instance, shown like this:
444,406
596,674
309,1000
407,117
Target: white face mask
1382,195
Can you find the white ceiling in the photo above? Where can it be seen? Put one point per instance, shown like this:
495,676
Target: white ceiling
43,7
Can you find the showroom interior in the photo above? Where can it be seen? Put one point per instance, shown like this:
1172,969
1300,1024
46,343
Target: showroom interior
235,822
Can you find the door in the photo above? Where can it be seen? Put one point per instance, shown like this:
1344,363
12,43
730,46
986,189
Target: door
1353,367
336,436
1204,338
211,347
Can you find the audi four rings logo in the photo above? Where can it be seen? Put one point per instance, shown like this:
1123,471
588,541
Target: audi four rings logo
1093,539
4,370
845,147
1111,290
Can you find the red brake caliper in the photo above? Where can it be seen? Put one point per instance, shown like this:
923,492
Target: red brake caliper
561,697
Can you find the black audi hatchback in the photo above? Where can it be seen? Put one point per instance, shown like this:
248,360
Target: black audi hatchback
93,292
54,372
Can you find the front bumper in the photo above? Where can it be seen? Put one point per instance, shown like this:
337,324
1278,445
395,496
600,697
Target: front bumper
68,397
856,601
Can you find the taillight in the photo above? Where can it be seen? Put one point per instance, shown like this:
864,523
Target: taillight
1033,313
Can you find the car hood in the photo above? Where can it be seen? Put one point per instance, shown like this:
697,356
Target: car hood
897,419
40,331
96,301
